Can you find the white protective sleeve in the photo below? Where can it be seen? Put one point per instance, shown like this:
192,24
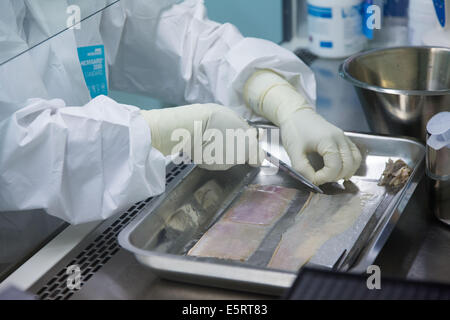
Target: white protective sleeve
191,59
67,160
79,164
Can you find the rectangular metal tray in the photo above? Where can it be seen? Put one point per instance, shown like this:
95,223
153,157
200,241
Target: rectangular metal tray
157,246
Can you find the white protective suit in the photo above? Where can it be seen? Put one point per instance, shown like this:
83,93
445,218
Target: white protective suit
92,159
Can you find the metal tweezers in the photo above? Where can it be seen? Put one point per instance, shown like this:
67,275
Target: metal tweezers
290,171
282,165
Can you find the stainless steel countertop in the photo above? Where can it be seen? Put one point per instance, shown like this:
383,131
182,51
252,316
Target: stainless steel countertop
419,247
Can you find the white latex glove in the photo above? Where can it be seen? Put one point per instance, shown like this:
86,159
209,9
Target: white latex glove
303,131
203,123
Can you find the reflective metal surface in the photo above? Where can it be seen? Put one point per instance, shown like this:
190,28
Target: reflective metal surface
126,278
281,164
119,275
438,178
288,169
401,88
438,163
440,199
419,247
160,237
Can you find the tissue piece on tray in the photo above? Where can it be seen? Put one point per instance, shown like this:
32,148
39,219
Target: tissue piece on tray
185,218
396,174
208,195
229,240
321,218
261,205
243,227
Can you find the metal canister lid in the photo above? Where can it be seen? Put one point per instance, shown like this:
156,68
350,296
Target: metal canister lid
438,146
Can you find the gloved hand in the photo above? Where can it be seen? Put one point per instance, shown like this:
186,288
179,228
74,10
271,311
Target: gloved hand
204,126
303,131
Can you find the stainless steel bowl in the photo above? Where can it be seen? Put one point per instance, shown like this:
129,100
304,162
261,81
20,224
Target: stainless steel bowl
400,89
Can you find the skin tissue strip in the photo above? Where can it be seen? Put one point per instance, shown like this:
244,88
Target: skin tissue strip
321,218
261,205
243,227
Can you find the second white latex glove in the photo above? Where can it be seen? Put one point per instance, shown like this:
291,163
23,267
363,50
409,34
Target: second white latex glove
202,124
303,131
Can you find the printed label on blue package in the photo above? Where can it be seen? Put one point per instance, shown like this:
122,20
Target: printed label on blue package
368,32
326,44
92,60
439,6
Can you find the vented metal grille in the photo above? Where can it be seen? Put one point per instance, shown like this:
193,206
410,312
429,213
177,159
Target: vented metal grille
98,252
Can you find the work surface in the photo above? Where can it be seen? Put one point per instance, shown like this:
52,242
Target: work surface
419,246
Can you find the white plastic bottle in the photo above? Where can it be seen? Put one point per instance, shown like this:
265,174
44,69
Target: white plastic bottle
335,27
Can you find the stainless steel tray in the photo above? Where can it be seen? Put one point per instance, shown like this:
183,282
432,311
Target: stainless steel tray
162,248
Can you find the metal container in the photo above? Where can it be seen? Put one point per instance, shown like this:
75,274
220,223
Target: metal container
155,244
438,174
401,88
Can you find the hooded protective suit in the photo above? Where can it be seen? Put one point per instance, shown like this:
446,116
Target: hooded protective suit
92,158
